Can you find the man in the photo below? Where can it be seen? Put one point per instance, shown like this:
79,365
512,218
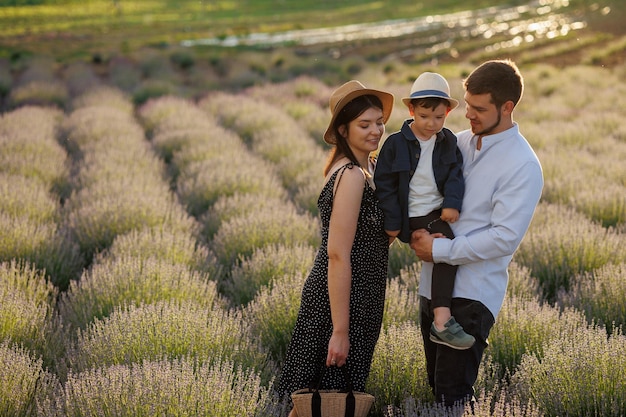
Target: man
503,183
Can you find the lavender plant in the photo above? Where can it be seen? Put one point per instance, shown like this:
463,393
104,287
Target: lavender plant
44,245
524,326
522,284
29,197
272,134
245,115
277,142
37,68
401,298
302,168
304,88
119,181
228,207
29,147
132,281
80,78
154,88
168,142
202,183
265,266
172,113
28,281
562,243
307,195
606,205
98,215
219,144
240,236
272,314
397,372
168,329
304,99
180,387
26,305
578,374
120,166
566,122
124,74
600,294
221,105
39,93
175,246
157,66
86,126
489,404
310,115
104,96
25,385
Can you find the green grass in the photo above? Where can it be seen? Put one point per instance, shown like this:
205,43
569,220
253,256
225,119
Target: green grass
98,17
72,29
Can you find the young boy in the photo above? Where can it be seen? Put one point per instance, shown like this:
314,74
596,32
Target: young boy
419,184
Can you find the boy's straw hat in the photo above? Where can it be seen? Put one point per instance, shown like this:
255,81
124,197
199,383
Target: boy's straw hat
348,92
430,84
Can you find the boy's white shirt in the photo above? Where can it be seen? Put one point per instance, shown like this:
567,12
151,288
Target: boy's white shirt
424,196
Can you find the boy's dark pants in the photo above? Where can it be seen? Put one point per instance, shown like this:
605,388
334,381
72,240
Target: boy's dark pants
443,274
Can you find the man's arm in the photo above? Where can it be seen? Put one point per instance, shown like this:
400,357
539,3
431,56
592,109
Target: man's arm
513,206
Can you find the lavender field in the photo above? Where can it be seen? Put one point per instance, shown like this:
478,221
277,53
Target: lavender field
152,251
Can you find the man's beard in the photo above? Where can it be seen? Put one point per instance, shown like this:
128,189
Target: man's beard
490,128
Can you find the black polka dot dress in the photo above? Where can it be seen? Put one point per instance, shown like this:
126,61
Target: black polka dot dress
308,348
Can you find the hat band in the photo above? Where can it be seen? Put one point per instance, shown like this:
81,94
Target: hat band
423,93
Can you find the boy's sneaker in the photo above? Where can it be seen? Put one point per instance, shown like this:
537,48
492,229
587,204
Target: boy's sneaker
453,336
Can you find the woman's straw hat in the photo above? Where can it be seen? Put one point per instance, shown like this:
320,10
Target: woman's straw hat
348,92
431,84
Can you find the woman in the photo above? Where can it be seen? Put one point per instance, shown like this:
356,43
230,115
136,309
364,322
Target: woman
343,297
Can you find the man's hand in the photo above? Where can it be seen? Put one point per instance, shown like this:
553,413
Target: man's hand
422,244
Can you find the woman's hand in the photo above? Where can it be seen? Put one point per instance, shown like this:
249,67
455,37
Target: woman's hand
338,348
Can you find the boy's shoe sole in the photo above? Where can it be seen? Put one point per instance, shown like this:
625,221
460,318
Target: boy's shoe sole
453,336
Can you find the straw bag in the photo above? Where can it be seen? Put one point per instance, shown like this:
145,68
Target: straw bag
315,402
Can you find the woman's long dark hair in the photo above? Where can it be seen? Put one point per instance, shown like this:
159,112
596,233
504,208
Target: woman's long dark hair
348,113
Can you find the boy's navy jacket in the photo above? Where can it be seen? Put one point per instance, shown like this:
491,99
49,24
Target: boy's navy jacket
396,164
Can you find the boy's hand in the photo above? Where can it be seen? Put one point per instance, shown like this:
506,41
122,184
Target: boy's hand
392,234
449,215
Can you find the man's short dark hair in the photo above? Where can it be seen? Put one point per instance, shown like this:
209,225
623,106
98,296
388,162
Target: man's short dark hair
500,78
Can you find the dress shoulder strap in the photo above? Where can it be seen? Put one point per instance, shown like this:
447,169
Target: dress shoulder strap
341,170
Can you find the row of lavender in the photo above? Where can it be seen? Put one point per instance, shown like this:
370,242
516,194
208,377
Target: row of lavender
195,223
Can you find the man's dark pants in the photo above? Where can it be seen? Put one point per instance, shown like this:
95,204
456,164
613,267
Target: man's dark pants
451,372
